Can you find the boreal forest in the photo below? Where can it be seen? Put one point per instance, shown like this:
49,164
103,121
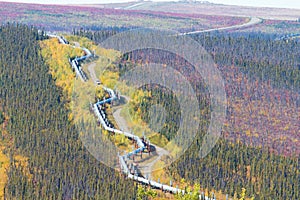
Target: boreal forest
61,92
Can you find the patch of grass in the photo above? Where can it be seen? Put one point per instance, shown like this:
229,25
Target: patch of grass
158,139
173,149
136,125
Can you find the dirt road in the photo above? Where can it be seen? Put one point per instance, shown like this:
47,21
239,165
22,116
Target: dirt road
146,164
253,21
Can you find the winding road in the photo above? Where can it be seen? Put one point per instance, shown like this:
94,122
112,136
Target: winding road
145,167
133,6
253,21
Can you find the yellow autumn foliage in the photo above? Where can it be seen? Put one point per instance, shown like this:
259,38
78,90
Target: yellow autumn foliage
82,41
57,57
4,164
110,78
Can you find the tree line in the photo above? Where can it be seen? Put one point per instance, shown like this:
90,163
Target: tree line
59,166
271,70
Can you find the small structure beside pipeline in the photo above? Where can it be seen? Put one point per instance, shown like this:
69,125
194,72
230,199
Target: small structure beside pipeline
102,119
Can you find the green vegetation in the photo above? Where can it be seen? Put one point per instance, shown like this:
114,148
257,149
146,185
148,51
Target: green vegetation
190,194
57,57
142,104
54,163
244,160
82,41
143,193
65,18
1,118
58,166
81,95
